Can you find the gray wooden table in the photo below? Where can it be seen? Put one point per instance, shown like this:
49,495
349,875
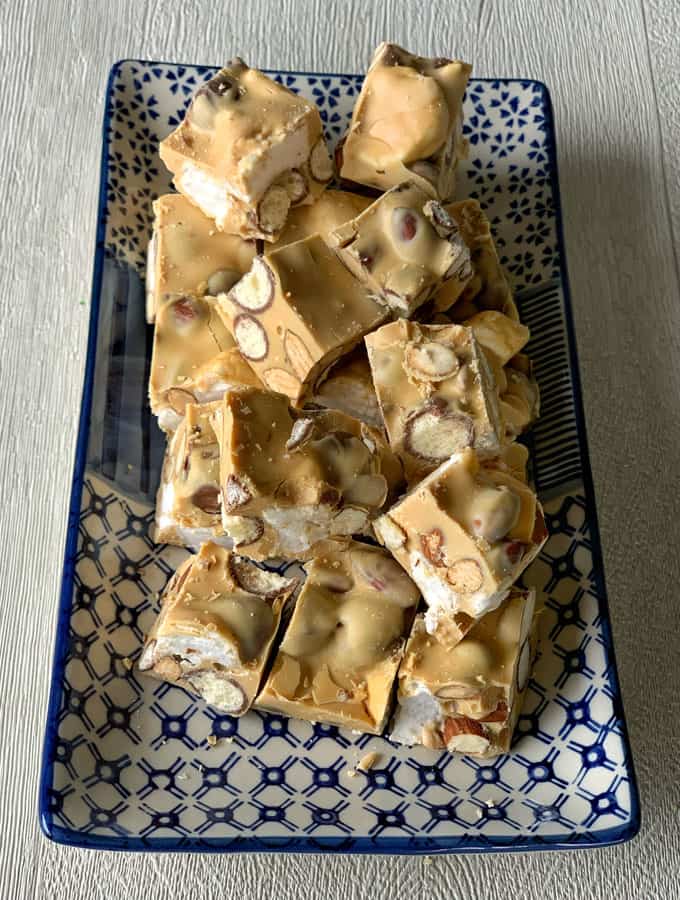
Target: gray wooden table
613,69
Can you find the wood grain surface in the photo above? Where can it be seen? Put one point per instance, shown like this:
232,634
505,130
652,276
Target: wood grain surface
613,69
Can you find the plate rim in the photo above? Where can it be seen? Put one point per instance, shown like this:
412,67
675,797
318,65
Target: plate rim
417,844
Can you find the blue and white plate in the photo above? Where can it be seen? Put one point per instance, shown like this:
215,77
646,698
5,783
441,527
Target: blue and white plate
126,761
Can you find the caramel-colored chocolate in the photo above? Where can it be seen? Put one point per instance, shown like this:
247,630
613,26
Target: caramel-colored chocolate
193,360
520,401
435,391
219,617
501,338
188,504
464,535
295,313
188,256
512,458
332,209
467,698
294,478
408,123
488,287
247,150
348,386
404,247
341,651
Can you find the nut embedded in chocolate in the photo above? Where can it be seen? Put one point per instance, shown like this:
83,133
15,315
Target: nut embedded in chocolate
465,576
243,530
235,494
218,93
434,433
295,185
507,554
320,163
430,361
385,576
232,700
523,666
464,735
282,382
207,498
338,154
460,270
394,55
272,210
185,311
334,581
178,398
432,544
300,433
222,281
392,535
258,581
405,223
440,219
297,354
255,291
500,714
251,337
178,579
496,512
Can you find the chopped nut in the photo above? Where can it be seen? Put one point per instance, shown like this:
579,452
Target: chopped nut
236,493
207,498
434,433
273,209
368,761
178,398
432,544
282,382
295,185
300,433
392,535
430,361
320,163
465,575
298,355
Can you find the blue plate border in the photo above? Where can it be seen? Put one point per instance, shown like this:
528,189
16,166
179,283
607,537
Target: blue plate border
360,845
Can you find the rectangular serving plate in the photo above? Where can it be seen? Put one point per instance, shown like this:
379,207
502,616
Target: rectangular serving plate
126,765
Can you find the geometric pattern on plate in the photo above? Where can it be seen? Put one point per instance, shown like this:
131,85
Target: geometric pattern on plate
126,761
